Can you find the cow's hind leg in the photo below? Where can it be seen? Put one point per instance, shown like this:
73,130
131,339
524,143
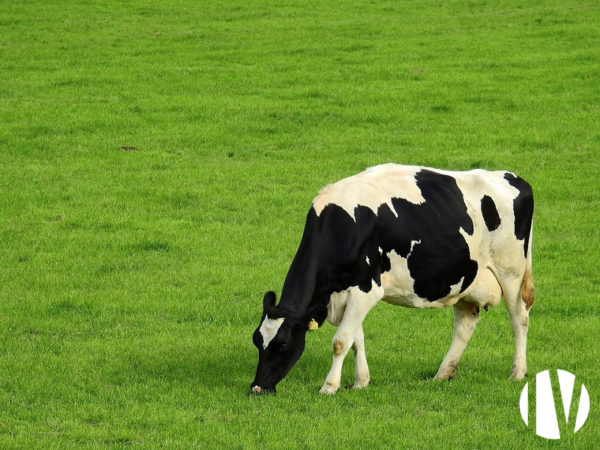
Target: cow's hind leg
465,321
350,333
519,296
483,293
361,374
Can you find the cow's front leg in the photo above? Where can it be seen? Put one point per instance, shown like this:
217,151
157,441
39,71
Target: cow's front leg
359,304
342,341
466,316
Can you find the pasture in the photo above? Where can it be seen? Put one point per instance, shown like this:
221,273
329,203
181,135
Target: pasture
157,160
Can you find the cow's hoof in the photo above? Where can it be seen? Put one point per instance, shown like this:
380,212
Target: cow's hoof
362,383
444,377
446,373
518,375
328,389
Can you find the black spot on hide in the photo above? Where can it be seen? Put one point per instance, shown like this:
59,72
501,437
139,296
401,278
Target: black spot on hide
440,256
490,213
523,208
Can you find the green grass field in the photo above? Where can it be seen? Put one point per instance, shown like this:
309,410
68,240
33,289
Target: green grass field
131,281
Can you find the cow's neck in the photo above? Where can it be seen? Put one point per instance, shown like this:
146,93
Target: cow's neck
299,289
298,293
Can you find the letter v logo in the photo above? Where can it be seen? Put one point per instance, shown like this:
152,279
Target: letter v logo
546,419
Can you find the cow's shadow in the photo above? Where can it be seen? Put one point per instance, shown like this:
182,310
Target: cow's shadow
197,367
231,368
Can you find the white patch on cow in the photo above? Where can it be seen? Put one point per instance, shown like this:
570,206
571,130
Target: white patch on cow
455,288
372,188
399,286
397,282
412,246
368,262
269,329
471,240
380,251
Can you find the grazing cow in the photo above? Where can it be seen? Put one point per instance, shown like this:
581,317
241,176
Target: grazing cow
411,236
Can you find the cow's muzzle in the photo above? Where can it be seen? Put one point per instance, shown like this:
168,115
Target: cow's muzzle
256,389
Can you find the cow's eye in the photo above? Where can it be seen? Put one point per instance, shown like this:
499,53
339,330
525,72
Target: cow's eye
284,346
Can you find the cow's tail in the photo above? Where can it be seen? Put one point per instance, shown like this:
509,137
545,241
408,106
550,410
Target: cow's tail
527,289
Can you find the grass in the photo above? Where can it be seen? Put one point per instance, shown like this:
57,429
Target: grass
131,280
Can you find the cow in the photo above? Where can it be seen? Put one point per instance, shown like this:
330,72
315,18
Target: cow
410,236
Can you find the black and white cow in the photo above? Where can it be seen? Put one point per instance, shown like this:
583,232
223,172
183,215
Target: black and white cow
411,236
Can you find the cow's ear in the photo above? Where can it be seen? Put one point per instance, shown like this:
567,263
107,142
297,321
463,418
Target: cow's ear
315,317
269,301
269,306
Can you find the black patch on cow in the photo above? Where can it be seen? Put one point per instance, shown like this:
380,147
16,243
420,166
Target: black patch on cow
334,249
523,208
490,213
441,257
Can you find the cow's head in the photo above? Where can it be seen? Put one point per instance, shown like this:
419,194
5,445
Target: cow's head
280,340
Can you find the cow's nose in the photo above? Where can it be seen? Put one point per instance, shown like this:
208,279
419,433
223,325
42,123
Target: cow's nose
256,389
